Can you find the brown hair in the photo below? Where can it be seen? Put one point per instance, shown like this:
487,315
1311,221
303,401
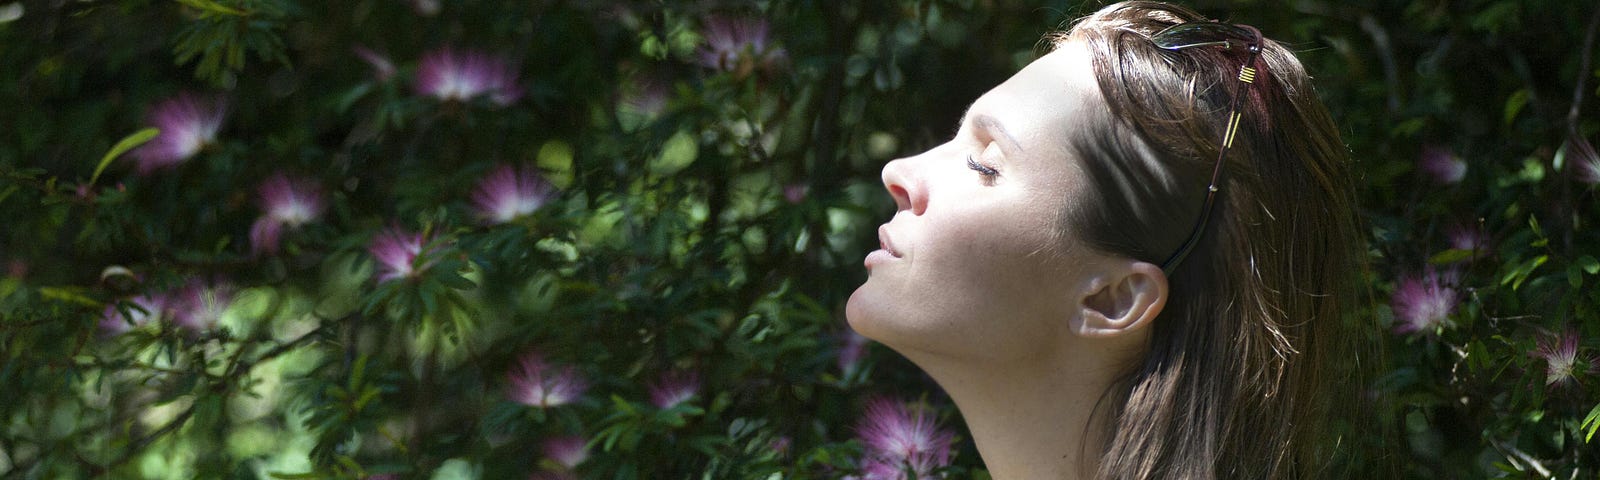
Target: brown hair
1239,380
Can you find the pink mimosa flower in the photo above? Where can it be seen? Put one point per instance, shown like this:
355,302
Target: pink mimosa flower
462,75
1585,161
538,384
154,309
396,251
507,193
188,122
567,451
897,436
199,305
644,95
552,476
1424,302
890,469
739,45
426,8
781,444
674,388
1442,165
795,192
1561,358
1467,238
1589,172
286,203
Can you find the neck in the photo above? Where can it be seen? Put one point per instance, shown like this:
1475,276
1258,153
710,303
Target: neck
1033,421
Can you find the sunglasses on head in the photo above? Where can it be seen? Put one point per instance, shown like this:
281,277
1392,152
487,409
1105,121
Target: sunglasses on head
1227,36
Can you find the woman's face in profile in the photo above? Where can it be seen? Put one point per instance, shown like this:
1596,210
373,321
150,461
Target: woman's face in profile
975,261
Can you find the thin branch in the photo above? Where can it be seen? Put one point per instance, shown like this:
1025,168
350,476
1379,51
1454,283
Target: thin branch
1583,71
1516,455
1391,72
139,445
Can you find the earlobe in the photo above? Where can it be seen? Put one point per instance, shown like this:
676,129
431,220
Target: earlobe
1123,302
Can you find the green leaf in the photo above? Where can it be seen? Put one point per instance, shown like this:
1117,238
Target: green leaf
1409,127
69,295
127,143
455,281
1517,275
1589,264
1514,104
1450,256
1591,423
676,154
213,7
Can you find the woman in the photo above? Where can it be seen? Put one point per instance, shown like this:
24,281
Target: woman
1109,280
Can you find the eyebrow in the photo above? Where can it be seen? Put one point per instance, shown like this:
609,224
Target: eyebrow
992,124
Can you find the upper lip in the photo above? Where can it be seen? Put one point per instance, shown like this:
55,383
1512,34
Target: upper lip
885,242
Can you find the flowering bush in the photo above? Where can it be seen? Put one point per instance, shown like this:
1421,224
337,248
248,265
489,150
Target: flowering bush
493,239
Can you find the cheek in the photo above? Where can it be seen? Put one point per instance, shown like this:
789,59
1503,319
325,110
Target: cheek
980,286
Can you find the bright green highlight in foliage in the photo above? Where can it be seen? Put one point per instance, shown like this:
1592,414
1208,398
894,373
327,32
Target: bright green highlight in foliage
497,226
127,143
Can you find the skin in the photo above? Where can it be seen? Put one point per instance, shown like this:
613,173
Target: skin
980,285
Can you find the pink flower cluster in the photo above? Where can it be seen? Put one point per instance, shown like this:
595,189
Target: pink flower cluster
1562,358
538,384
508,193
1583,157
398,253
1467,238
644,95
449,74
197,307
674,388
1424,302
1442,165
285,203
188,122
567,451
901,441
740,46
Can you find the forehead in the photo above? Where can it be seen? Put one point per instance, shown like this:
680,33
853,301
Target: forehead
1042,104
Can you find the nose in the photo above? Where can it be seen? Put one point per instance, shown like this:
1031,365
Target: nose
901,179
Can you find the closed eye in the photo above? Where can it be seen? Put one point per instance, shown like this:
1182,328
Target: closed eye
987,172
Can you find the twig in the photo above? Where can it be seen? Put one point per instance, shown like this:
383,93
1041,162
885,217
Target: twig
139,445
1583,71
1516,455
1391,75
1574,134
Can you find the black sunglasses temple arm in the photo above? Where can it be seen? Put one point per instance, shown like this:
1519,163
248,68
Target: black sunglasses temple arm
1247,77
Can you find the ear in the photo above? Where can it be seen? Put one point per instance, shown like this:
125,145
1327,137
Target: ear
1125,299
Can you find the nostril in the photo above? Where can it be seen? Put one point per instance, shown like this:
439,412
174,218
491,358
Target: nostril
902,198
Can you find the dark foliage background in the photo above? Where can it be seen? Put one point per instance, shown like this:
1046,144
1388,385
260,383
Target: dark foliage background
314,284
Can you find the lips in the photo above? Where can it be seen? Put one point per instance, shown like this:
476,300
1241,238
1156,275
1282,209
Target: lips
885,242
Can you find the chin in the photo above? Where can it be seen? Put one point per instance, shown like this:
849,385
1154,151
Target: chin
856,313
871,312
879,316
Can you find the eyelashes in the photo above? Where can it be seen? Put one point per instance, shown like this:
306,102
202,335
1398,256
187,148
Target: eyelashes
987,172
